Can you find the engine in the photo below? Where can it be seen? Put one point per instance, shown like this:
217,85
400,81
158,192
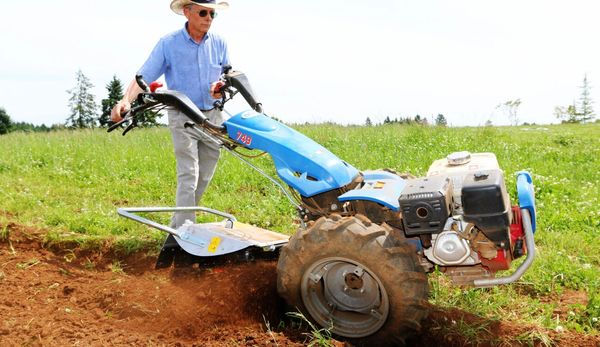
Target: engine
462,215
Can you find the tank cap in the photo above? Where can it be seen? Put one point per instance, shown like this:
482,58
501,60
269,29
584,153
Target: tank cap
459,158
480,176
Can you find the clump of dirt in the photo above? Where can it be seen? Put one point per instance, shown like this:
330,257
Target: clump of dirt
73,296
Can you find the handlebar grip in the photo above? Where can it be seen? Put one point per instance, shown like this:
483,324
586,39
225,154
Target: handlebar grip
219,88
118,124
141,83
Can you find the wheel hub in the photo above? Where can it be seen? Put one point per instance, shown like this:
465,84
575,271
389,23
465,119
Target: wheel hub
348,291
353,281
345,294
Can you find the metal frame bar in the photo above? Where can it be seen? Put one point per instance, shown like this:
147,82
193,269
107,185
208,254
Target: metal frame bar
257,169
287,194
130,212
529,241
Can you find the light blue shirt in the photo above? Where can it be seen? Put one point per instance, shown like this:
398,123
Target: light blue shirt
188,67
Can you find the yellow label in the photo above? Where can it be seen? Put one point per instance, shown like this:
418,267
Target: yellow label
214,243
379,185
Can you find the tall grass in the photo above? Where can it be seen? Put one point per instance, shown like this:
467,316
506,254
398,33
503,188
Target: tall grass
70,183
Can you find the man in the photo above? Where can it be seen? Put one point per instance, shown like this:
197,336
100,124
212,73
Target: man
192,60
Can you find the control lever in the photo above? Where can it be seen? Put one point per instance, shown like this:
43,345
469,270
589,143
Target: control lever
155,85
141,83
131,125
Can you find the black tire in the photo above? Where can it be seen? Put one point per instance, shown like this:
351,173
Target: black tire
322,270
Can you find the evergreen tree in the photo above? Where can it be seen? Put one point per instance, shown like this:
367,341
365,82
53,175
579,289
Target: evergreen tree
387,120
440,120
586,112
368,122
82,104
5,122
115,94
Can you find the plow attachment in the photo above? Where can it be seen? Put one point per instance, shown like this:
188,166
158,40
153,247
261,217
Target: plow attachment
209,240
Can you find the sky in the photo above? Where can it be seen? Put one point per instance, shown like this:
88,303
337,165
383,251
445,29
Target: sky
321,60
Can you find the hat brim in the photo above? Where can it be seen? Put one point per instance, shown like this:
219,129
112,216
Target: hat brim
178,5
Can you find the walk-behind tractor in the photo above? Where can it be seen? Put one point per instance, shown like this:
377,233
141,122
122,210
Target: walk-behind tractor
358,263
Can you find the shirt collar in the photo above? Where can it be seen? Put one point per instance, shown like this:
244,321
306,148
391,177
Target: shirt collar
189,38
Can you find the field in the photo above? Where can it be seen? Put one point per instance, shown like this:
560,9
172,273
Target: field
77,273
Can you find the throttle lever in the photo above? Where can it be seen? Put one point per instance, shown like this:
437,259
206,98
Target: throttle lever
132,125
141,83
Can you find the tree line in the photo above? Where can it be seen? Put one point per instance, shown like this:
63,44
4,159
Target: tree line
84,111
580,111
440,120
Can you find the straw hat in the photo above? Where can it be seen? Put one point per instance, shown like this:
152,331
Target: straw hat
177,5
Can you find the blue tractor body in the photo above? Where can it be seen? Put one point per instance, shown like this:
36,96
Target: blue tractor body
308,167
303,164
381,187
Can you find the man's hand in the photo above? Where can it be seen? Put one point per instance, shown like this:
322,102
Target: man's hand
120,108
215,89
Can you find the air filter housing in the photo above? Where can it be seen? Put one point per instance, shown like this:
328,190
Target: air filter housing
486,204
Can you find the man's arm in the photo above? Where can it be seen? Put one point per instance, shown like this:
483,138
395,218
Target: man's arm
152,69
125,104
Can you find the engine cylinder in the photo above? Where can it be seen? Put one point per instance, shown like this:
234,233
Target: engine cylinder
451,249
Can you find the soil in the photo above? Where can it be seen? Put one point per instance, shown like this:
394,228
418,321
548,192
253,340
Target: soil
58,297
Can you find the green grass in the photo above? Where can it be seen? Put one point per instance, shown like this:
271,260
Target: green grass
317,336
71,183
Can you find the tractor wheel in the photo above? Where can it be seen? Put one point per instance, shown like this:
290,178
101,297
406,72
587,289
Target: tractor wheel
348,275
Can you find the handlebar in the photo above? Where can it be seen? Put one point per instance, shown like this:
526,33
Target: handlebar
239,81
129,116
234,81
126,117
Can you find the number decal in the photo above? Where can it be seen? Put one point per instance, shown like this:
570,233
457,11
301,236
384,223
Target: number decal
243,138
